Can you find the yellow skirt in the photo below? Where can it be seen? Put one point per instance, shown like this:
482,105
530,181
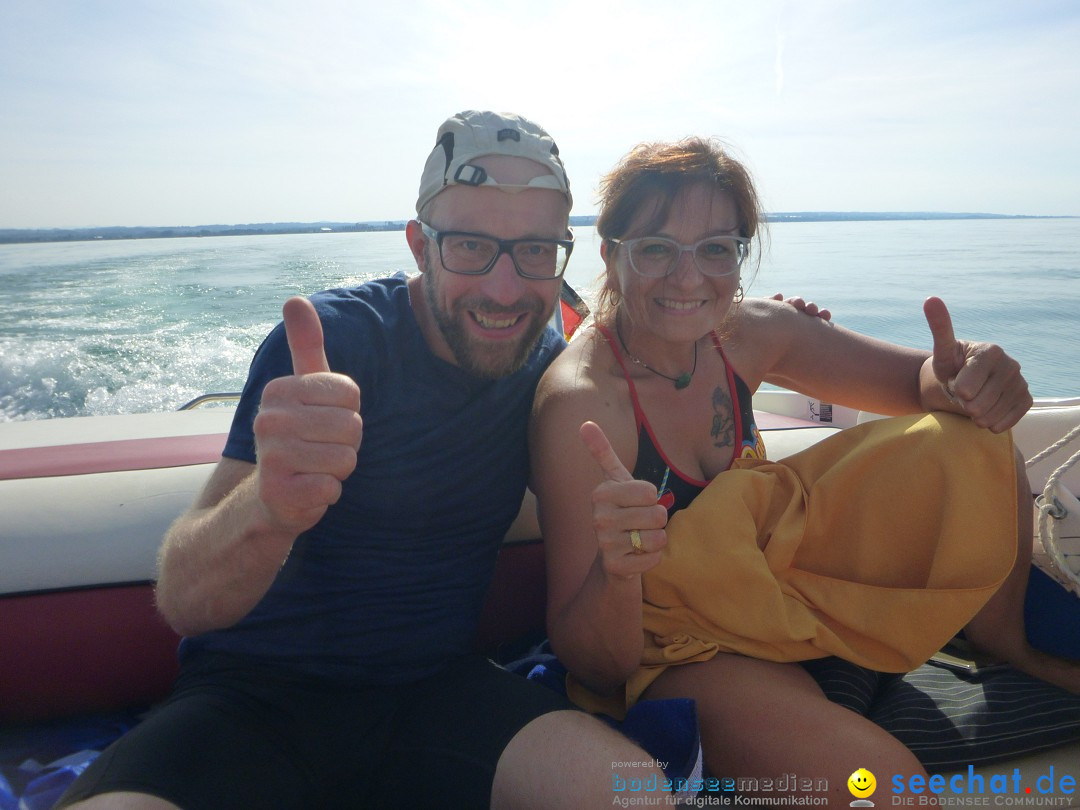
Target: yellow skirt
876,545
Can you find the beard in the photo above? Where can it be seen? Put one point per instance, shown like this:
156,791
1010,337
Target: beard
485,359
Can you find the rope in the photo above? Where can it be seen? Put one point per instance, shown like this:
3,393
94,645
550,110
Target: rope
1049,451
1050,508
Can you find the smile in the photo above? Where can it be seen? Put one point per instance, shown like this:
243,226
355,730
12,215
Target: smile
678,305
488,322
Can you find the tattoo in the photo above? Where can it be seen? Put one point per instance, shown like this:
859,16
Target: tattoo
723,421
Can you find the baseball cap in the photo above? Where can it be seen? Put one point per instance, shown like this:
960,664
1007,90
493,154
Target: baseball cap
472,134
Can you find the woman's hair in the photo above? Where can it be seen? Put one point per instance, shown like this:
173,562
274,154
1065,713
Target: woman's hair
653,174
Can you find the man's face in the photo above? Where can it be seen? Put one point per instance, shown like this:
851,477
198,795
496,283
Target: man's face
489,324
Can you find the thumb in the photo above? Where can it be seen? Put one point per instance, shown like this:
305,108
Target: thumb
600,449
948,354
304,332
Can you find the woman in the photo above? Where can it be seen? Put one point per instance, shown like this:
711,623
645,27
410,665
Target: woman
771,564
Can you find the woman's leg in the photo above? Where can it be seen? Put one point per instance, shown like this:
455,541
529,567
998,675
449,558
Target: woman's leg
761,719
999,627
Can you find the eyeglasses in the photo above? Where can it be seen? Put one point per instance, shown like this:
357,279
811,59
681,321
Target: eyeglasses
474,254
657,256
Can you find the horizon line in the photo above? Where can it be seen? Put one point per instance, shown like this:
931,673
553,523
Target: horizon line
112,232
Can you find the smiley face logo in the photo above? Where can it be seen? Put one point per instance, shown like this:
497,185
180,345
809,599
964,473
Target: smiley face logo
862,784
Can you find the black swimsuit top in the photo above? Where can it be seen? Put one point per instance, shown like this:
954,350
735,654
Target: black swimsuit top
675,489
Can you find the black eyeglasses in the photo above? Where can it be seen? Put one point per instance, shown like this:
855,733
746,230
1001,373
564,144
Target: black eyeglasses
473,254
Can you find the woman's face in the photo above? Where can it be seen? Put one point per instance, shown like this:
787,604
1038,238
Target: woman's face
685,304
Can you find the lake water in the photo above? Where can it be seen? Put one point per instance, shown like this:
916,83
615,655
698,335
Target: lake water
109,327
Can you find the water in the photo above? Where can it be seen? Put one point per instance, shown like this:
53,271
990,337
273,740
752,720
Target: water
145,325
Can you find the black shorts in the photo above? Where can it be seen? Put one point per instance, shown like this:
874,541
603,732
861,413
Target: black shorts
236,734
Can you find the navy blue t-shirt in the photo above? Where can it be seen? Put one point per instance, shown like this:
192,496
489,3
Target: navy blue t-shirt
388,585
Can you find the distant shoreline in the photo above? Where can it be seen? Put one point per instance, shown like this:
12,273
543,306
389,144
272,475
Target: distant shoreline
30,235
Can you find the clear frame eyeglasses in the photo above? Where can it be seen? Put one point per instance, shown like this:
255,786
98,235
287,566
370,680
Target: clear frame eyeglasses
473,254
657,256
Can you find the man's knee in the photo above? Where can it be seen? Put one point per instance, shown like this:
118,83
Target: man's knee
566,758
122,801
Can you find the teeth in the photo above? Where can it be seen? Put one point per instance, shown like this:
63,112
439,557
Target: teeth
666,302
495,323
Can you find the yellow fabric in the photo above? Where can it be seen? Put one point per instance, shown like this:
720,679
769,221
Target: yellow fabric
876,545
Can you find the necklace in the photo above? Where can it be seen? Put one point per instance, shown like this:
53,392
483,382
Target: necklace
681,382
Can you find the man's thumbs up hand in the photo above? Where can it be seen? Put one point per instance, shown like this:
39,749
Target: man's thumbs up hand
308,429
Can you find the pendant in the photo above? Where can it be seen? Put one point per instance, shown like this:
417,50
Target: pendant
682,381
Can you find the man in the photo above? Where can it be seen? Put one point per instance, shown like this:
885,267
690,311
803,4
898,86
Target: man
328,578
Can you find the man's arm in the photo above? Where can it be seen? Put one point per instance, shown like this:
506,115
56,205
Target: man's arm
219,559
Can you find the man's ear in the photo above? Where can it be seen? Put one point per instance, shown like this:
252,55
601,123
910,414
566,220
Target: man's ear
417,242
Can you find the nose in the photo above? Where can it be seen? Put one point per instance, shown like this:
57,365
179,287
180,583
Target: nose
685,272
502,283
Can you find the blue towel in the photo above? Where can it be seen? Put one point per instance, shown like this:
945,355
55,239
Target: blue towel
37,763
43,785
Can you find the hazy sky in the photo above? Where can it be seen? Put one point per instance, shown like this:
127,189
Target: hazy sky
188,112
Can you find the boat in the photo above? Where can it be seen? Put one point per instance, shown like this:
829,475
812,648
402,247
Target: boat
86,500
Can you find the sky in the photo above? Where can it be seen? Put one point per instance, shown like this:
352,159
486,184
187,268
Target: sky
166,113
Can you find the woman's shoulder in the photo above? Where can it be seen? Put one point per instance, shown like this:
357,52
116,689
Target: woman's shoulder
759,313
582,385
759,332
579,378
580,366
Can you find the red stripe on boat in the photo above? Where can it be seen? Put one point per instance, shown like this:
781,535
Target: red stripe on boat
114,456
176,451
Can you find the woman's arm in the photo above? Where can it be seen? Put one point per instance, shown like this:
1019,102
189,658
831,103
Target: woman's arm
588,503
773,343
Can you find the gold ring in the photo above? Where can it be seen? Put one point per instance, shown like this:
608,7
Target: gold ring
635,541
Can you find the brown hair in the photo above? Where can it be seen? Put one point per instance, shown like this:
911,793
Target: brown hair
657,173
